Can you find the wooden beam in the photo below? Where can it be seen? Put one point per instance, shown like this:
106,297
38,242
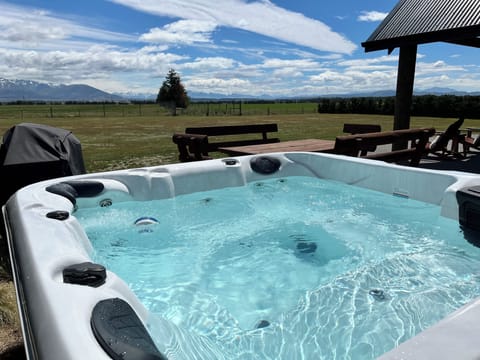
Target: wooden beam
473,42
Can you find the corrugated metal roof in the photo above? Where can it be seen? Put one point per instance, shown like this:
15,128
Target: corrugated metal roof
422,21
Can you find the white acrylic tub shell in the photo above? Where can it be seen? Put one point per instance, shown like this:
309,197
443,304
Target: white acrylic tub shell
55,316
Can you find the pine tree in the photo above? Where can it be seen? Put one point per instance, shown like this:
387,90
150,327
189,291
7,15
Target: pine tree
173,93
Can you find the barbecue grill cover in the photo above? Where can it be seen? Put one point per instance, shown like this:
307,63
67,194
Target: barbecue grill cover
33,152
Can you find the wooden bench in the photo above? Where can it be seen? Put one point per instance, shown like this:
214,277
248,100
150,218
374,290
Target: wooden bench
191,147
195,143
362,129
216,131
358,145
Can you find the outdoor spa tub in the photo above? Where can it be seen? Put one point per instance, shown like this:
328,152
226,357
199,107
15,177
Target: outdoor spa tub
279,256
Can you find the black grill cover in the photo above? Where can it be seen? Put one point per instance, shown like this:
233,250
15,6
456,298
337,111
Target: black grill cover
33,152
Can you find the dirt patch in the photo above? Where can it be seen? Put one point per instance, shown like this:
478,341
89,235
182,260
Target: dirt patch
11,343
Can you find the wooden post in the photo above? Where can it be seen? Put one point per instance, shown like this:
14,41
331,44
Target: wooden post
405,80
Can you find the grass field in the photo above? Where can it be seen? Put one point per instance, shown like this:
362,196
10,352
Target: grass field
126,135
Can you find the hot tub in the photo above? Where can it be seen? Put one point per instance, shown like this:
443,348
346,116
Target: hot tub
72,307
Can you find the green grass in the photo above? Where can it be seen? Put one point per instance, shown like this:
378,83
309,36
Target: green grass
120,141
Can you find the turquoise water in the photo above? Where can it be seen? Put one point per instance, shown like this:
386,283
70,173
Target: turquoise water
294,268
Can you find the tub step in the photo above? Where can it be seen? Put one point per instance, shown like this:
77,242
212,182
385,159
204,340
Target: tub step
120,332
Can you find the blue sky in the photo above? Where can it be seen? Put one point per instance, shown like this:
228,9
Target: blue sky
244,47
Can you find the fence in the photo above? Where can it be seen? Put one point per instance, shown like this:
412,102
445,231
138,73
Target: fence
27,112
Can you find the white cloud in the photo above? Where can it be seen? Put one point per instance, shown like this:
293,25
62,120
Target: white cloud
97,62
386,63
372,16
220,86
354,80
296,63
42,46
381,73
181,32
369,61
36,28
261,17
329,76
440,66
209,63
287,72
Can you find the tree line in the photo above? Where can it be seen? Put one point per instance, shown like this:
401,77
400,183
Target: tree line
422,105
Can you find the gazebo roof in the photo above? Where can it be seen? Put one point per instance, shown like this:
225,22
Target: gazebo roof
414,22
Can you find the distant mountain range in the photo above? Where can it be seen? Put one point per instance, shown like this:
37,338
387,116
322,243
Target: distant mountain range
27,90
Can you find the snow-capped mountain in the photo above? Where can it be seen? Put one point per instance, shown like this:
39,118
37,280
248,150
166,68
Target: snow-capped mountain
28,90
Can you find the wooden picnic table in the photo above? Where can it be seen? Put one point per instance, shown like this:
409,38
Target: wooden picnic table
470,130
314,145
